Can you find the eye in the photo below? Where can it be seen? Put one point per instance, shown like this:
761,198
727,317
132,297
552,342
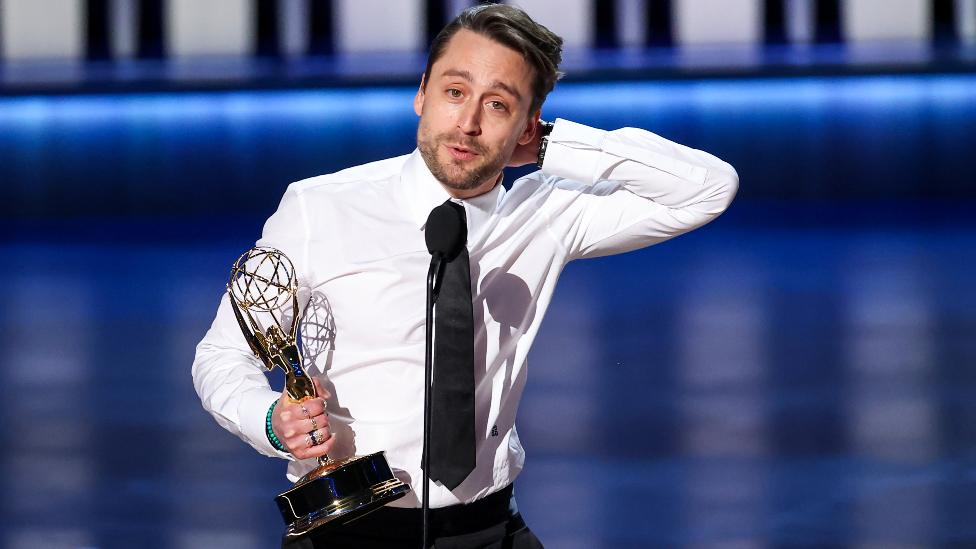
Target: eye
497,106
453,93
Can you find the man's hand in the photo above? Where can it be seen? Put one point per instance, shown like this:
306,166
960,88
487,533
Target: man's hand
293,422
528,153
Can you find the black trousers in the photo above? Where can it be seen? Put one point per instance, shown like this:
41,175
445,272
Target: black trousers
489,523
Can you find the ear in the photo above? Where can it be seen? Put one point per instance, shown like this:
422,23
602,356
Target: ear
531,127
418,100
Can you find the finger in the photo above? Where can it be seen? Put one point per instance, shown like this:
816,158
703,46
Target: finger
315,451
293,423
297,443
314,406
322,449
317,407
303,439
291,419
302,446
309,424
294,432
317,422
290,410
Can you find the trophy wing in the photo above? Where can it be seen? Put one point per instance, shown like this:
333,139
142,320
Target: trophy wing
258,347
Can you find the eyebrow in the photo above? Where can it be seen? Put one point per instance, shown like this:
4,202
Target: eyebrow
496,84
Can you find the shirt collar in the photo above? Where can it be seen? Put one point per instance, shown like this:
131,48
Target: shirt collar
423,192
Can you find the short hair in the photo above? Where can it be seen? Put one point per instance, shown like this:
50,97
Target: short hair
512,27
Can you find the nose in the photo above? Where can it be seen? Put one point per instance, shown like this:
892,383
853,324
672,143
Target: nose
469,119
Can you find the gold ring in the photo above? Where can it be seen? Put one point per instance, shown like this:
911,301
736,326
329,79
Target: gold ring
310,440
314,425
304,410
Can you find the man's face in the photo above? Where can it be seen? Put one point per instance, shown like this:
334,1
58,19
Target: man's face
473,112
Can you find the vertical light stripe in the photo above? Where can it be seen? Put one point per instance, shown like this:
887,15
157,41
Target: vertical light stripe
722,369
293,27
552,394
51,454
800,21
42,29
717,22
631,27
379,25
567,381
966,20
869,20
215,27
124,22
892,407
571,19
725,504
201,442
721,386
891,355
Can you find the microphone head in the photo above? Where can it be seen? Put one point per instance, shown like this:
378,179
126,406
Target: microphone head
445,231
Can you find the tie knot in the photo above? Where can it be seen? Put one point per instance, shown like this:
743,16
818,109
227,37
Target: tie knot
459,209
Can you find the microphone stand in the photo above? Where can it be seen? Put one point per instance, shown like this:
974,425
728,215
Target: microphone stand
433,273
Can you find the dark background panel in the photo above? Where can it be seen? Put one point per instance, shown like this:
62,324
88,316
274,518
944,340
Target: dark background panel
829,138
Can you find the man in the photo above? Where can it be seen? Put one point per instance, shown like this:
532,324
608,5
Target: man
357,240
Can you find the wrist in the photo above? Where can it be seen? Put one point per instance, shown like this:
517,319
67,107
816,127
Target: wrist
269,430
545,128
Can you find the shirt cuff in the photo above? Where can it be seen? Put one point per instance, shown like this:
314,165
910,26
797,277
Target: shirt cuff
254,414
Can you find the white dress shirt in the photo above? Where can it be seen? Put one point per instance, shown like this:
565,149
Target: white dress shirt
356,238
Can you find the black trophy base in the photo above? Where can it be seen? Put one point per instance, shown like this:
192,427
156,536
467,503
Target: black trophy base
337,493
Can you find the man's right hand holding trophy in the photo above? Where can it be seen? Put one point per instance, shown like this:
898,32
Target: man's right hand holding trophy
302,427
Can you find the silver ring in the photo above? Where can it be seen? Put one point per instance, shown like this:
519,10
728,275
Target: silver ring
310,440
304,410
314,425
314,435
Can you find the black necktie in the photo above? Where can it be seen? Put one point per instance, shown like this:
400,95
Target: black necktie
452,442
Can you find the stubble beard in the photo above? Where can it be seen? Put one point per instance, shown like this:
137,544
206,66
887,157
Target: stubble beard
452,173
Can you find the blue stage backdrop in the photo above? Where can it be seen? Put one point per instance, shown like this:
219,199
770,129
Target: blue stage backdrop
220,152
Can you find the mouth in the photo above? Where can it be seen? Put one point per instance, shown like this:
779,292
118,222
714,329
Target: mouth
460,153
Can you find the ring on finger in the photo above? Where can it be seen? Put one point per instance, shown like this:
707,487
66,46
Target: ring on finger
314,424
305,411
322,436
310,439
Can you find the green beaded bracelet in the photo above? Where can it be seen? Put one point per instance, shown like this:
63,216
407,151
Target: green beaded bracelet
272,438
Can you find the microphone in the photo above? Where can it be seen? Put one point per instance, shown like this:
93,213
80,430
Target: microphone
445,234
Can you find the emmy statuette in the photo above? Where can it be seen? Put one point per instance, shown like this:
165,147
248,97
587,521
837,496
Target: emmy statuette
263,285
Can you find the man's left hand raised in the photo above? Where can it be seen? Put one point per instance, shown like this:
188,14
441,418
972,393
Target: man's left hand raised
529,152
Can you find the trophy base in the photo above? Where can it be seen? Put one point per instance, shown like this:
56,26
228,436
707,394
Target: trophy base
337,493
